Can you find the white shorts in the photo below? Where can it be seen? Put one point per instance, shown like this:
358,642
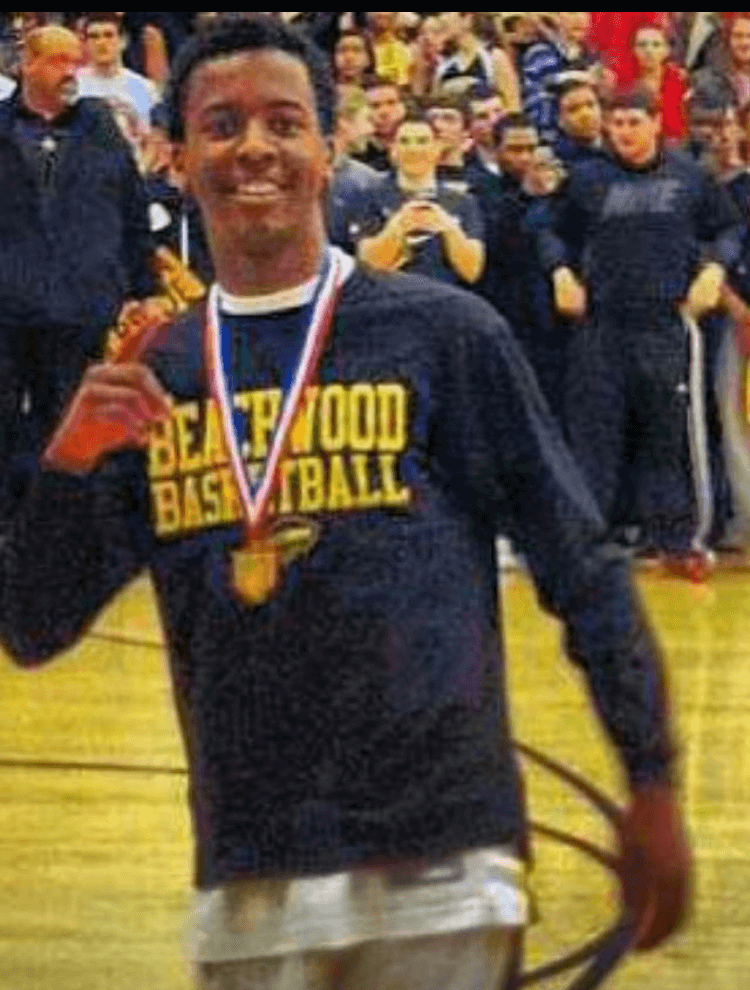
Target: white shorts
476,960
265,918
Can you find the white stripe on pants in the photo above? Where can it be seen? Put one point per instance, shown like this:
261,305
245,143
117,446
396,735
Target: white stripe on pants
698,436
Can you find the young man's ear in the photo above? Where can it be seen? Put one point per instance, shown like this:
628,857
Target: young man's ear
178,171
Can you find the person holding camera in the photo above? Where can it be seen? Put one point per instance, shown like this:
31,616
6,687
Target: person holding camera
414,222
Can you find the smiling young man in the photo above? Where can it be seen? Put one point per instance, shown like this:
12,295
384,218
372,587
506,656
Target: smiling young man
319,462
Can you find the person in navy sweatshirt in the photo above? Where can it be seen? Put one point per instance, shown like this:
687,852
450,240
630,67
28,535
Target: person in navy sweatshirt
639,245
314,466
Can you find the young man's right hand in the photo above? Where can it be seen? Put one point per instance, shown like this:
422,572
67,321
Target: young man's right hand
114,407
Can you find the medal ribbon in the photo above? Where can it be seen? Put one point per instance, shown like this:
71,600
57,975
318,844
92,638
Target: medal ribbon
255,509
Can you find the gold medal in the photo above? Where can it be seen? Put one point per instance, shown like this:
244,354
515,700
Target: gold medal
256,569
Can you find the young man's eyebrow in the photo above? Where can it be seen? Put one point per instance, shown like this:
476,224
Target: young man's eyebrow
224,103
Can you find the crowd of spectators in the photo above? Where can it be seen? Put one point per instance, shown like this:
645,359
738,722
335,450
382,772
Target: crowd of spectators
585,172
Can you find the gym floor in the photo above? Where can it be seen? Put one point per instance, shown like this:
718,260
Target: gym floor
95,848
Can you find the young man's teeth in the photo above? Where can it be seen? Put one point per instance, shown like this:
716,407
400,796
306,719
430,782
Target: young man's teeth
257,188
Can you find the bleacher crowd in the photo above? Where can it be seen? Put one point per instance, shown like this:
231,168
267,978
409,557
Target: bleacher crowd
585,172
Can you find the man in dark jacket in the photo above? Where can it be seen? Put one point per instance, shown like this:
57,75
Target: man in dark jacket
74,238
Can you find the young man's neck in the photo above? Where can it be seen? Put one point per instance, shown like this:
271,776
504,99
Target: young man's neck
643,162
261,272
109,71
486,155
415,184
654,77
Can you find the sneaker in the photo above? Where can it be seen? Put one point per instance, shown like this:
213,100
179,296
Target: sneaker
693,565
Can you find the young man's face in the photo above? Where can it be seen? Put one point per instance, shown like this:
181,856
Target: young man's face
634,134
517,150
253,154
351,58
449,126
103,43
484,115
651,49
521,30
431,37
574,25
353,130
580,114
416,150
739,41
381,22
729,139
387,110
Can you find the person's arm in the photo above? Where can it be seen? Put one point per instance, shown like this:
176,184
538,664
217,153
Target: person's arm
387,250
463,241
560,223
461,235
466,255
155,55
506,80
720,232
539,64
82,531
501,444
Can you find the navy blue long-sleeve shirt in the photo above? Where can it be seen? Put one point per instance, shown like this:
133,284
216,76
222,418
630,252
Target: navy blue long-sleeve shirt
640,235
360,713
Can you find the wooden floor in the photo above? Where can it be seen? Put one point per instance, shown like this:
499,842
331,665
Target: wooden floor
95,843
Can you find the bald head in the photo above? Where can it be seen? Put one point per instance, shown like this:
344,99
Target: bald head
51,58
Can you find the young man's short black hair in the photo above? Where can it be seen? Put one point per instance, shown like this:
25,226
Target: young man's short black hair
566,82
510,122
637,98
449,101
228,35
416,114
103,17
371,80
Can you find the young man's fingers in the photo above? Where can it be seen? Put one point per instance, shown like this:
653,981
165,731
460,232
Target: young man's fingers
137,403
131,377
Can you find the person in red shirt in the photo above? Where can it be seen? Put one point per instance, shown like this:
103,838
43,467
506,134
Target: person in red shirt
611,33
660,76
